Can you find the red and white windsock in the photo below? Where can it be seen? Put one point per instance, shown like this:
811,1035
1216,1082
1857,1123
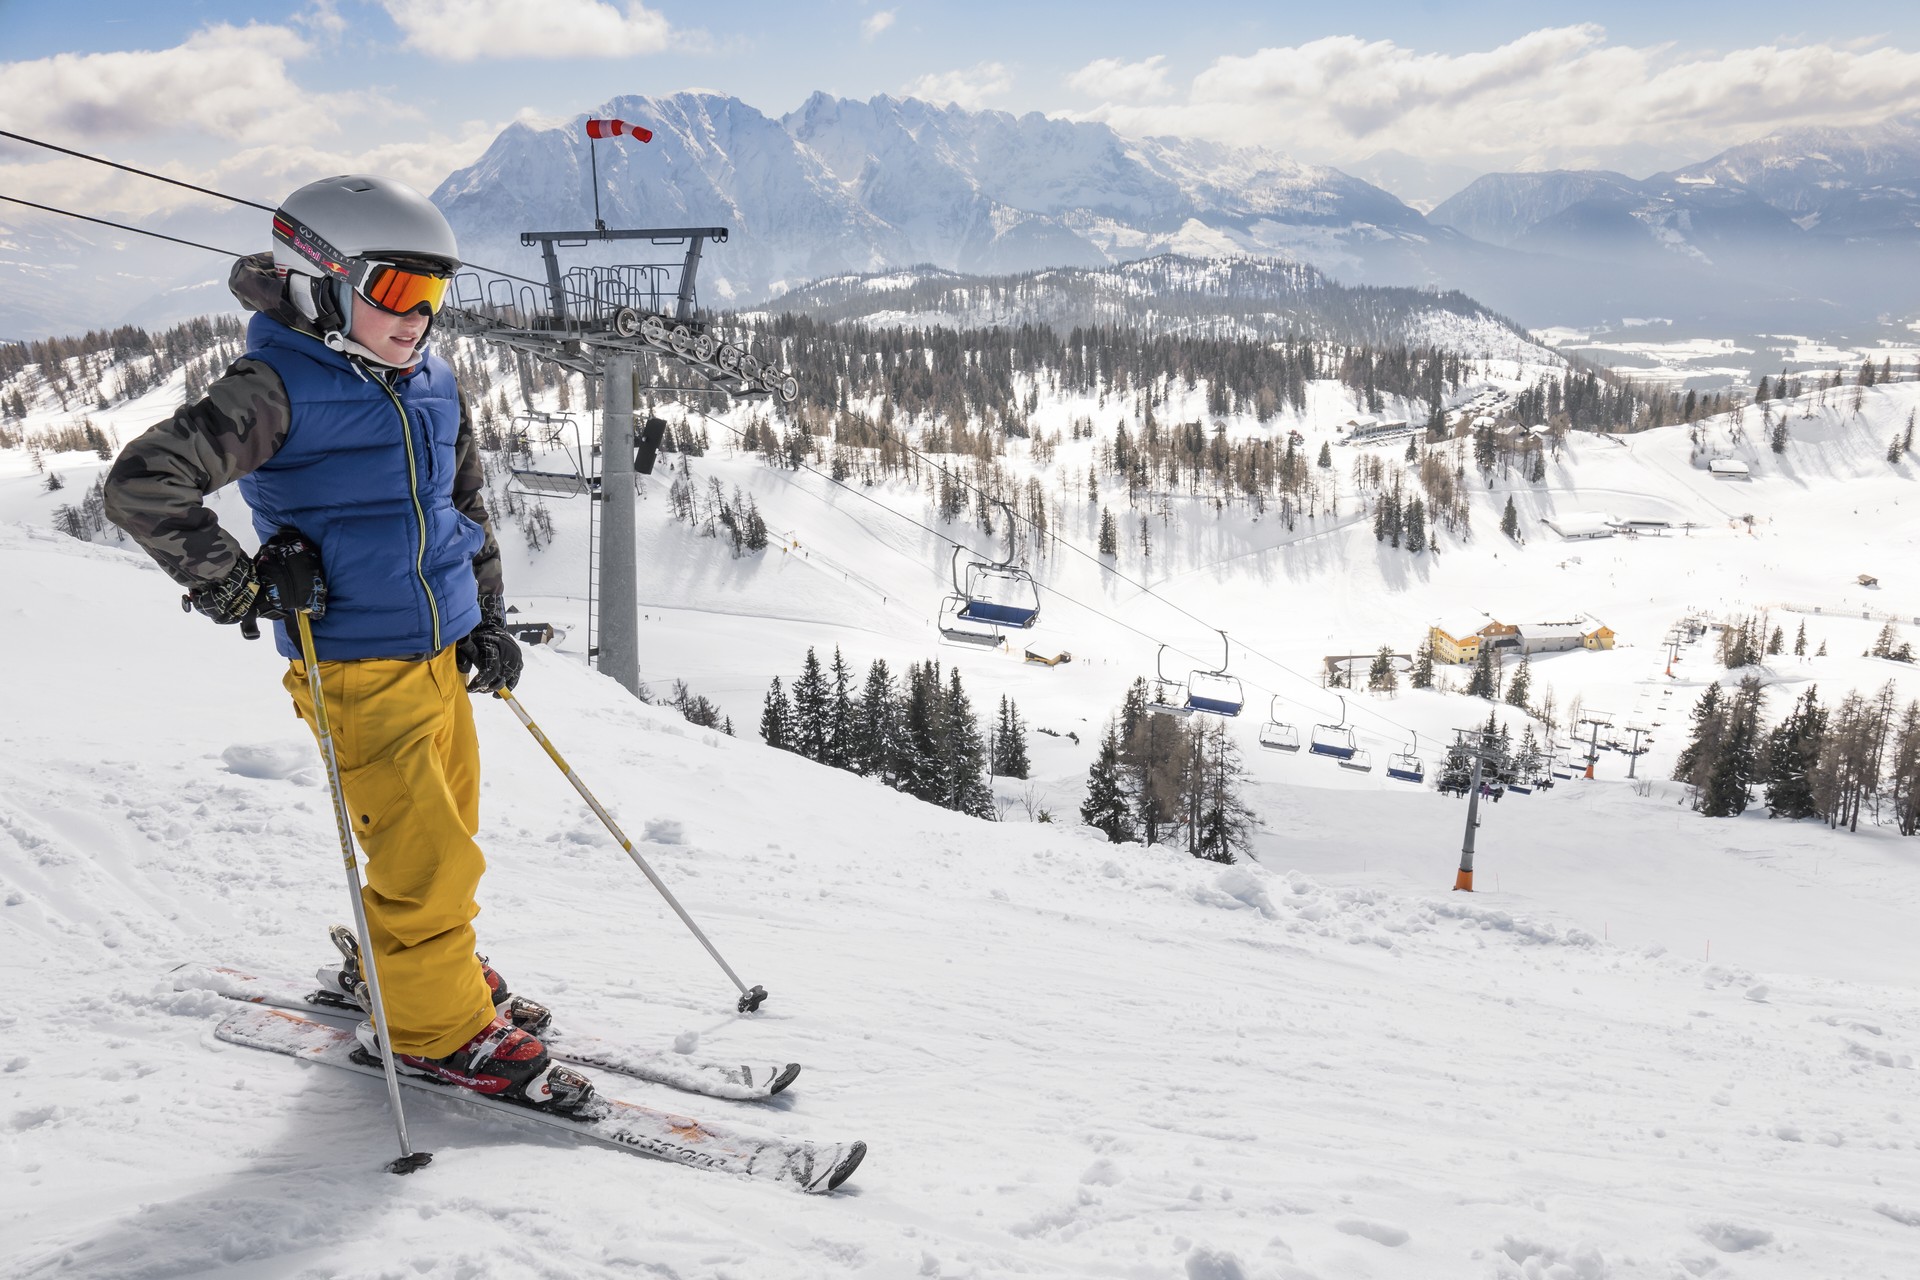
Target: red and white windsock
615,128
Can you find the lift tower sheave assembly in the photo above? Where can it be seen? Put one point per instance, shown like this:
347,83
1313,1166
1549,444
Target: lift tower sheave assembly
597,321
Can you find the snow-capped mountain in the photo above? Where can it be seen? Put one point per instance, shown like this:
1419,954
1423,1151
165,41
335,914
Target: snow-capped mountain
843,186
1807,219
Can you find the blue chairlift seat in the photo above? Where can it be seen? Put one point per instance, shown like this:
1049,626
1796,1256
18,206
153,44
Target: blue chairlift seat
1215,693
998,615
1407,768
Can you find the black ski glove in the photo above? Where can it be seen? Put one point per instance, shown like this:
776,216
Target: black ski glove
288,570
231,599
490,651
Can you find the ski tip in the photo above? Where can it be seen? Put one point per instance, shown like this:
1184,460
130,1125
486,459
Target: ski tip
786,1076
848,1163
406,1164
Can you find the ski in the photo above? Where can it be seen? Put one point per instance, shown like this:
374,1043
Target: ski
812,1167
742,1083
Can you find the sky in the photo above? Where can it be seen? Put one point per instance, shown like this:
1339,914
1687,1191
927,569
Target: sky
260,97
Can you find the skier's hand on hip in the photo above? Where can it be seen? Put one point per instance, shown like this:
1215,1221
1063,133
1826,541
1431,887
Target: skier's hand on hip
489,651
290,577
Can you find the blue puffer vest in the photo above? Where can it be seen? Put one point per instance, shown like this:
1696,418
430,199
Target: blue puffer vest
367,472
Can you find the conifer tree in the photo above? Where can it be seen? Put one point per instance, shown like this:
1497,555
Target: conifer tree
1821,652
968,790
1009,744
1735,765
1703,747
1219,822
1510,520
811,710
1109,534
840,715
1800,640
1521,685
1108,807
776,718
1527,760
1456,771
875,733
1381,677
1133,709
1792,753
1422,677
924,762
1416,526
1480,683
1325,459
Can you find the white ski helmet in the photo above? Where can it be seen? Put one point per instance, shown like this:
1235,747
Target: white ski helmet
361,238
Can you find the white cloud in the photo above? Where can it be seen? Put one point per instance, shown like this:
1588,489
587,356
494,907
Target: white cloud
875,24
466,30
322,17
1557,96
969,88
1115,80
230,82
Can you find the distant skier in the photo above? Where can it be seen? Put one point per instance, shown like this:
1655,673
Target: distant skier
354,450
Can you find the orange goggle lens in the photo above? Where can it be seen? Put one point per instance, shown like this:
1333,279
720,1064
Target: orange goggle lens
401,291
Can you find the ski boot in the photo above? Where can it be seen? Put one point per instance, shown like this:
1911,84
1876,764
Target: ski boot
344,980
502,1062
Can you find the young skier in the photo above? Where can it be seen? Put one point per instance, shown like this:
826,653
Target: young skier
355,454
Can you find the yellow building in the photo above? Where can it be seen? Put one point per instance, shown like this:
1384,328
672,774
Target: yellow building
1598,638
1448,647
1465,647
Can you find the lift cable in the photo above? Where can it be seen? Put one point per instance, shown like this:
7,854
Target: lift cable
207,191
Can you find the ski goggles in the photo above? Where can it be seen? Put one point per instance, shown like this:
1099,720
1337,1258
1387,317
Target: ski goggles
400,290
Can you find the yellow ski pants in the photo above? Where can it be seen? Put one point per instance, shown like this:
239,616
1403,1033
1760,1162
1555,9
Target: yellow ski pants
410,765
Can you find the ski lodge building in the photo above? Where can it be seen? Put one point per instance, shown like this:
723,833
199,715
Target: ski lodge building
1505,637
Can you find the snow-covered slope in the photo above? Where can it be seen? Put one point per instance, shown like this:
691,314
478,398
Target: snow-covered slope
1654,1044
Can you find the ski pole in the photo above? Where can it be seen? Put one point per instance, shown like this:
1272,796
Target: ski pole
750,997
409,1159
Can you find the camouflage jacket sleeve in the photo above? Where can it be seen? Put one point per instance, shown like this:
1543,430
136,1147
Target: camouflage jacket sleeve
156,486
469,490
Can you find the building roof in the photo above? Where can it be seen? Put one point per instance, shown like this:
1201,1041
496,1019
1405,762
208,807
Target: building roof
1728,466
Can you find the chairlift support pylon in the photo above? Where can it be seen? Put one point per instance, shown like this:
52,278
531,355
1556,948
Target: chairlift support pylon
1407,765
1275,734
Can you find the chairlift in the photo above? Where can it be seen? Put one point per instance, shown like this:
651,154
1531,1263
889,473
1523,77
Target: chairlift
1276,735
1335,740
956,629
553,429
1361,761
999,592
1169,694
1215,692
988,595
1407,765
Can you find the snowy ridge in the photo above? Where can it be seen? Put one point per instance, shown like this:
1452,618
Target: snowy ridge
1230,297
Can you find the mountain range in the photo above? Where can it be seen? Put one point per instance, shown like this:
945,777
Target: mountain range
1810,228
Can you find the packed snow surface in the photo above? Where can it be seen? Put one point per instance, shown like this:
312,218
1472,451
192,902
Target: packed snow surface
1651,1045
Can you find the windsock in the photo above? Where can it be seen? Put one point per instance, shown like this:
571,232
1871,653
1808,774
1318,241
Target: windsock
614,128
